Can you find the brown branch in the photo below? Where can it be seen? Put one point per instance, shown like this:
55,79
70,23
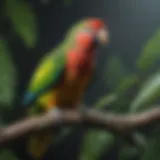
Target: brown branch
117,123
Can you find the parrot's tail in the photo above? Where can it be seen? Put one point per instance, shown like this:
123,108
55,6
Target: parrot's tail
38,144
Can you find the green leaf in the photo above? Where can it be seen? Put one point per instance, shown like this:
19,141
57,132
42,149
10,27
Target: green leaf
23,20
7,155
106,101
152,150
7,76
148,93
127,83
115,72
95,143
150,53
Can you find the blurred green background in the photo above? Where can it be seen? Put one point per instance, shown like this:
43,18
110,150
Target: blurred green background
128,77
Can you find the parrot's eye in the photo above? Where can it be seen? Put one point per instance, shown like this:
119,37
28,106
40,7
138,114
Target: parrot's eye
93,33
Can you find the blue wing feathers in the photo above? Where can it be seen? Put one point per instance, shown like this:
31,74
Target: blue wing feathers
28,98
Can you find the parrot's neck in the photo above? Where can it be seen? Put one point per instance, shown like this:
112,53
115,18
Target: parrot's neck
81,58
80,62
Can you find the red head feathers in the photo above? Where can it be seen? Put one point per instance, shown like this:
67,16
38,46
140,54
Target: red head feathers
95,23
81,56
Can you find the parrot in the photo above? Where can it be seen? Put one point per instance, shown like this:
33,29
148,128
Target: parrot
63,75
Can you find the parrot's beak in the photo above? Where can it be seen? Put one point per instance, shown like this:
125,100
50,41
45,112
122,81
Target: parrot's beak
103,36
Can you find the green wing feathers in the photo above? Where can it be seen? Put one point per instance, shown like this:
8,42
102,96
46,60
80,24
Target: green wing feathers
46,75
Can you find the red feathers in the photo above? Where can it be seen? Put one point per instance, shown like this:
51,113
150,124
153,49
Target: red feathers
95,23
81,56
84,41
79,62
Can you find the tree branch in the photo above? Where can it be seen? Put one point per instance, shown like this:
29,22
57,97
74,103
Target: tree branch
122,124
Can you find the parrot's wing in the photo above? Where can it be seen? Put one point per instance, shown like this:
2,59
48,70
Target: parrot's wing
46,75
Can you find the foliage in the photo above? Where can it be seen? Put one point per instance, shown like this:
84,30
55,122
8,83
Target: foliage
8,75
130,91
150,52
115,69
148,94
152,148
23,20
20,17
95,143
7,155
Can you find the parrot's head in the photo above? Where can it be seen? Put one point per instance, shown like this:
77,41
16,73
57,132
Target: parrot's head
91,27
98,29
82,41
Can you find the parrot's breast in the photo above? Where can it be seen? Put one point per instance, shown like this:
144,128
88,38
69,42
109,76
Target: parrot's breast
72,91
69,93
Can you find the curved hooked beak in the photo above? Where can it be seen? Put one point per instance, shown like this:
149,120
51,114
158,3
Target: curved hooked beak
103,36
